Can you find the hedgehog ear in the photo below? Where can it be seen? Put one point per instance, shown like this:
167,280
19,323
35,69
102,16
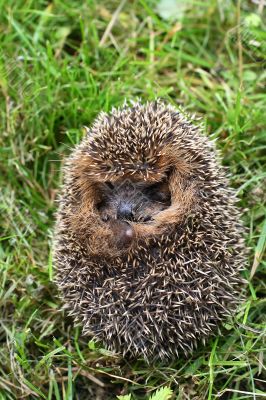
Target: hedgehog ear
169,172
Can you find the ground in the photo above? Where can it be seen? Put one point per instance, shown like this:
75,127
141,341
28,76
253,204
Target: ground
63,62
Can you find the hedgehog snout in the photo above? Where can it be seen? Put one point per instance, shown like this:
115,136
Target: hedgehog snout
125,211
123,233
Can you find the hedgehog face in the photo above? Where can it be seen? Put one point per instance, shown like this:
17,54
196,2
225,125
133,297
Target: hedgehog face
131,183
133,201
120,205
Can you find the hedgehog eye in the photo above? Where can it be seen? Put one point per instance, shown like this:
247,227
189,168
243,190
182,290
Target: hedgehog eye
161,197
164,196
109,185
159,192
100,205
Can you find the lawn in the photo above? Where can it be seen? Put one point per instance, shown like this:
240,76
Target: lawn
61,63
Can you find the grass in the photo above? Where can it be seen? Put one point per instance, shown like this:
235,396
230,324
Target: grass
63,62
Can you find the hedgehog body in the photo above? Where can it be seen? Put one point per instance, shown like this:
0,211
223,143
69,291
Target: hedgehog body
146,275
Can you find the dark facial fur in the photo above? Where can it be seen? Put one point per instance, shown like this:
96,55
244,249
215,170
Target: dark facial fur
133,201
124,202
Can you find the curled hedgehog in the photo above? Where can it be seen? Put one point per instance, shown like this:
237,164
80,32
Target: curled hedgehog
148,240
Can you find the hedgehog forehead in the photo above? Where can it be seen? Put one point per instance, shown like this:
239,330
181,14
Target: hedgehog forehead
130,134
120,160
127,147
128,151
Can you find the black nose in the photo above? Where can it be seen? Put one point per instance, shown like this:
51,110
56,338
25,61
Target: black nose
124,211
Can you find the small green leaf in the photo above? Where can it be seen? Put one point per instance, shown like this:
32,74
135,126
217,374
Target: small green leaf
252,20
91,345
165,393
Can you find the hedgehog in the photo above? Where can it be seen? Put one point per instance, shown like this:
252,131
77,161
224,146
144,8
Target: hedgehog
149,245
